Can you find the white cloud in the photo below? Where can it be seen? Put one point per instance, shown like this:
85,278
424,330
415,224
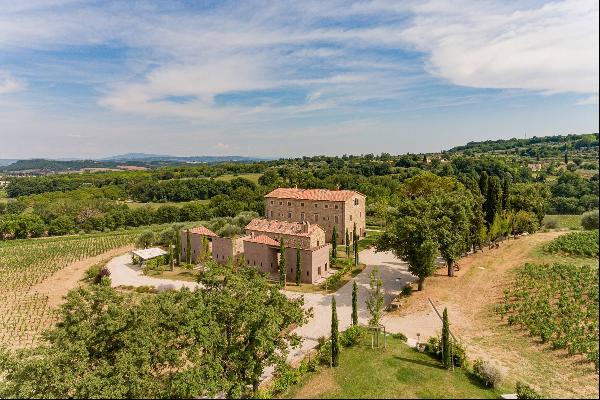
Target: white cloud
10,84
591,100
552,48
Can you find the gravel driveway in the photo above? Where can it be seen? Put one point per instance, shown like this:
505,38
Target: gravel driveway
123,273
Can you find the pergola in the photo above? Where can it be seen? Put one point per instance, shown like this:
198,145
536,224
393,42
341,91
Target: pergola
148,254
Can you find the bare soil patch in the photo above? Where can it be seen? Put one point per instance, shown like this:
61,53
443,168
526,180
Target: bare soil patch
58,285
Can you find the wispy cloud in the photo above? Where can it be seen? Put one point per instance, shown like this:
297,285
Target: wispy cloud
10,84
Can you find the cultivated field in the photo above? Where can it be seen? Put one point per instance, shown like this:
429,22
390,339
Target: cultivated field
472,299
30,286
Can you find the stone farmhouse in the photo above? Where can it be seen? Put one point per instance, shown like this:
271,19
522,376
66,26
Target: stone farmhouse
261,247
343,209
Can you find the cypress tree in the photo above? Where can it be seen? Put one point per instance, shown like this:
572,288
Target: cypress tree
335,346
566,157
334,244
506,191
188,255
347,245
354,303
494,199
355,244
446,343
282,271
298,268
177,247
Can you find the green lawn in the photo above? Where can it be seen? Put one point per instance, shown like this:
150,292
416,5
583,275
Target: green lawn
228,177
369,240
564,221
395,372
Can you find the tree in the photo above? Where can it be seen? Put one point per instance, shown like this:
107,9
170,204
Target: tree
282,270
298,268
111,345
145,239
177,232
446,341
375,302
354,303
410,237
62,225
506,183
566,157
334,244
493,202
335,344
188,244
355,244
205,249
347,245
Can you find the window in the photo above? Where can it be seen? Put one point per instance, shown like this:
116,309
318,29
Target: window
281,203
301,216
336,206
271,214
316,204
325,266
289,203
272,202
306,273
336,219
355,202
318,243
350,217
301,204
316,218
289,214
326,205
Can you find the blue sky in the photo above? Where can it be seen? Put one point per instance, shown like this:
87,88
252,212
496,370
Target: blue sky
90,79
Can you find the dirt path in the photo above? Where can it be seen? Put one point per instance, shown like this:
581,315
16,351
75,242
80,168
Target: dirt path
59,284
470,298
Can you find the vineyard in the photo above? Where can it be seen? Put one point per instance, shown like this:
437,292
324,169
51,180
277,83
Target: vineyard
583,244
557,303
24,312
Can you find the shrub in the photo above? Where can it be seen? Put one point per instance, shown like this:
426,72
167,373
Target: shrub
324,353
103,273
525,391
433,347
407,289
551,224
488,373
400,336
589,220
92,272
351,336
146,289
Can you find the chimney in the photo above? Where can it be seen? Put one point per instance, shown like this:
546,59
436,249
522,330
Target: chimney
305,226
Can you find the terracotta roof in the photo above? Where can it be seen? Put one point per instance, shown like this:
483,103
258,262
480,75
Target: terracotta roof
282,227
313,194
262,239
201,230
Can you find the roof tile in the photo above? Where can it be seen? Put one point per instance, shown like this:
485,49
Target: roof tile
313,194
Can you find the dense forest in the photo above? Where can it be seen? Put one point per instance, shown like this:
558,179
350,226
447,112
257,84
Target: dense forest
69,203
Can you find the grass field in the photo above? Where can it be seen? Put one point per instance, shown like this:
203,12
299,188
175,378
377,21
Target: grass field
251,177
395,372
563,221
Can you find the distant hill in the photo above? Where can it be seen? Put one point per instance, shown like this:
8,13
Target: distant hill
160,157
56,165
558,141
6,161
